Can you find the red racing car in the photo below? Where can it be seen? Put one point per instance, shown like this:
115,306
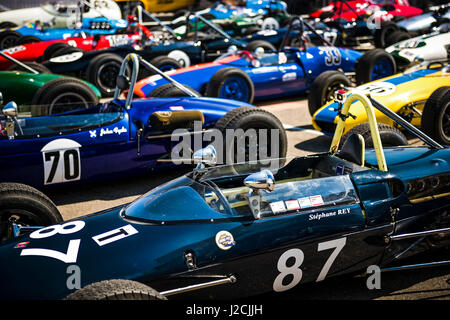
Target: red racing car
45,50
384,9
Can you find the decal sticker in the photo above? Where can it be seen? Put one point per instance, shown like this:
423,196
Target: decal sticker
278,207
282,59
71,57
267,32
93,133
61,161
378,89
318,216
114,235
316,200
118,40
177,108
332,56
21,244
13,50
305,202
292,205
224,240
264,70
291,76
66,228
116,130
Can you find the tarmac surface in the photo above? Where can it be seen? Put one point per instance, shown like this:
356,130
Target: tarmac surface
430,283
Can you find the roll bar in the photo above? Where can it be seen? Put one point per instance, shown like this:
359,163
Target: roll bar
136,60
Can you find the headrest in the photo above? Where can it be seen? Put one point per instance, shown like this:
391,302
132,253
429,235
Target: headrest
353,149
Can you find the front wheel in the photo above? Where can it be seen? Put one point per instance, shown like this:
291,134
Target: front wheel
390,136
373,65
102,71
231,83
436,116
24,205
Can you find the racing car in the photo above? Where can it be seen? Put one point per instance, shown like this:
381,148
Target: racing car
383,10
216,234
120,138
418,95
59,14
245,76
31,90
165,50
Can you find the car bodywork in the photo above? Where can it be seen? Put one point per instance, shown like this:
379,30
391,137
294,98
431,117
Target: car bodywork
326,214
158,6
404,93
429,47
423,23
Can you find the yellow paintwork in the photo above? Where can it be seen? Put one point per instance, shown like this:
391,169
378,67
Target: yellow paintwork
415,91
154,6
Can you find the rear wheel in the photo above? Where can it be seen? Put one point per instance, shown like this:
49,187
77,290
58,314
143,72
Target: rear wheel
116,290
436,116
51,50
9,39
102,71
231,83
34,65
24,205
63,95
28,39
170,90
7,25
323,89
396,37
390,136
383,33
373,65
240,149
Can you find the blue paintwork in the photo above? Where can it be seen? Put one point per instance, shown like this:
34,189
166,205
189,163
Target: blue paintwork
63,33
252,7
271,79
102,156
174,219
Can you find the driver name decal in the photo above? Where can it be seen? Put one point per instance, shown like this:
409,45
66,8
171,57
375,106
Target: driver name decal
318,216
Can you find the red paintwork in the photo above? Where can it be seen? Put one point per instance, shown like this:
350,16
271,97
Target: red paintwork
33,51
402,8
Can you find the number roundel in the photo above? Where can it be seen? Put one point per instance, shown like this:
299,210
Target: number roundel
61,159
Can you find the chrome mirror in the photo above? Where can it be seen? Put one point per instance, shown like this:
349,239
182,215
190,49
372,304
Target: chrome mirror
262,180
204,157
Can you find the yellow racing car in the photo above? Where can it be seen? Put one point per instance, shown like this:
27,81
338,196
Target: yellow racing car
420,95
155,6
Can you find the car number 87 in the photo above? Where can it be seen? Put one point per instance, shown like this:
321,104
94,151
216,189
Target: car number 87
294,271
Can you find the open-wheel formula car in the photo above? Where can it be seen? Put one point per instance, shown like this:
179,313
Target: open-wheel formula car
165,50
121,138
263,74
216,233
419,95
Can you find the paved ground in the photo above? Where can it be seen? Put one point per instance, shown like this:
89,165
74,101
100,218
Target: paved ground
302,139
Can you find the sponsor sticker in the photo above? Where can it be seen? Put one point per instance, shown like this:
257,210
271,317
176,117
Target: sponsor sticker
304,202
316,200
225,240
292,205
278,207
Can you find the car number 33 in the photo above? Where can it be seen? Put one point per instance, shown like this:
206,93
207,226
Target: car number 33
293,271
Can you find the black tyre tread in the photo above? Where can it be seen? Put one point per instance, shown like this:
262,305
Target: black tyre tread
9,32
364,65
319,85
160,60
28,39
260,43
397,36
229,121
35,65
66,50
380,34
431,112
364,130
116,290
94,64
11,192
40,95
170,90
214,84
51,49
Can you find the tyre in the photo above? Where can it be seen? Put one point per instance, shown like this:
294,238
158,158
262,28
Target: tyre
267,46
27,206
169,90
34,65
270,23
436,116
102,71
246,118
7,25
164,63
396,37
390,136
63,95
373,65
382,33
66,50
231,83
251,30
28,39
323,88
398,18
9,39
52,49
116,290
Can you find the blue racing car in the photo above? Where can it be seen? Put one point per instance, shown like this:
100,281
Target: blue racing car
118,138
215,234
263,74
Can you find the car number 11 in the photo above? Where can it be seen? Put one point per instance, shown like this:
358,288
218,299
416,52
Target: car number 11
294,270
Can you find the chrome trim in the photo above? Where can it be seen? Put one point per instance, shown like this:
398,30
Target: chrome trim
418,234
230,279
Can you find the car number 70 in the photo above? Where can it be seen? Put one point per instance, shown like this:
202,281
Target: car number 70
298,256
